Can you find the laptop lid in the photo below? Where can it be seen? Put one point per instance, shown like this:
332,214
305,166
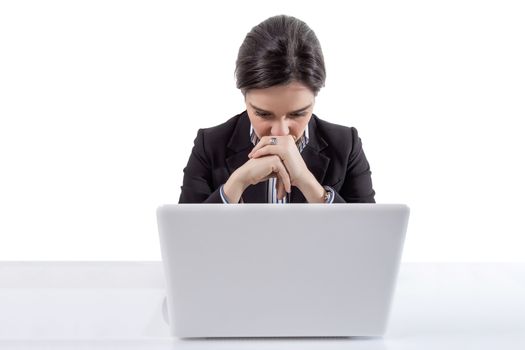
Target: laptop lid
270,270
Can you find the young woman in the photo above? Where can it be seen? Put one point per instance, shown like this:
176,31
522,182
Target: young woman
277,150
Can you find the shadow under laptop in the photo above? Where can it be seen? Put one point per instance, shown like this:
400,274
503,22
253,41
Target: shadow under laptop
287,343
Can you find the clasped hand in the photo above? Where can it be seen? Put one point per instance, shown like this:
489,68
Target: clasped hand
282,161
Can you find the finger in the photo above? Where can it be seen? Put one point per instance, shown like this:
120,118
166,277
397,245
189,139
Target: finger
259,144
285,182
267,150
264,141
278,185
281,191
285,177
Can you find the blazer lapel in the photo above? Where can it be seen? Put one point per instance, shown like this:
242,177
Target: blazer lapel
316,162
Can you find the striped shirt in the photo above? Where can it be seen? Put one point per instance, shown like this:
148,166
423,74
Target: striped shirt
271,182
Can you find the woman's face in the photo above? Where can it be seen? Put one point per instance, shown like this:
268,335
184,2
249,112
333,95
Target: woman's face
280,110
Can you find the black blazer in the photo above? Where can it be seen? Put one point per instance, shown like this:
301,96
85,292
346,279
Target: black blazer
333,154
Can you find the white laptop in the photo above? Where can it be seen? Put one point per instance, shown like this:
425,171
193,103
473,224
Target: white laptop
274,270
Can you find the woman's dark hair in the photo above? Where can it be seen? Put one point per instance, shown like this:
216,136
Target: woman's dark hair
278,51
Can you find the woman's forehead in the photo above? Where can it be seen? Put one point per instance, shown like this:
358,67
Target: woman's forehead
291,97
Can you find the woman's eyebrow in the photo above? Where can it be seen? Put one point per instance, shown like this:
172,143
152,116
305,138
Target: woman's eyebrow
296,111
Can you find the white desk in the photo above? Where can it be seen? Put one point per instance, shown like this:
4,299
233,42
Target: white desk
116,305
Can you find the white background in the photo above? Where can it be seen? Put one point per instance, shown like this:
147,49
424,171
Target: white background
100,102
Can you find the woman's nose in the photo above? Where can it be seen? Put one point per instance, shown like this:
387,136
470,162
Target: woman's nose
280,129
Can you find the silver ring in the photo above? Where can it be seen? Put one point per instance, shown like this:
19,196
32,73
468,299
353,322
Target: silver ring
273,141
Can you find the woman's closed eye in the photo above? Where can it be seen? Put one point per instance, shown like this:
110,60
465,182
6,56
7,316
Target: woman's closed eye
265,115
262,114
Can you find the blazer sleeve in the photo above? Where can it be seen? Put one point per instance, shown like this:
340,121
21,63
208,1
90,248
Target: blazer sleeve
357,182
197,183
